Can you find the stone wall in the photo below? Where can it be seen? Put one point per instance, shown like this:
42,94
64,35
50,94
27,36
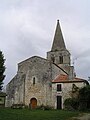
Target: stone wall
65,93
14,90
55,57
43,72
21,88
57,54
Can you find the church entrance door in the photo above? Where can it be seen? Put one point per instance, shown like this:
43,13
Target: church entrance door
33,103
59,102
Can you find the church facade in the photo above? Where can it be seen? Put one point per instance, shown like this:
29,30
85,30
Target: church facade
41,81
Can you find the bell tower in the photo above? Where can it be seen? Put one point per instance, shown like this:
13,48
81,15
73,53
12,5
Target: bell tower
59,54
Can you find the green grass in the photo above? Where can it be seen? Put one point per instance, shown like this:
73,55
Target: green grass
26,114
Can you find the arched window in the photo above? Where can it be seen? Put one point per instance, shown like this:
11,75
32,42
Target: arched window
34,81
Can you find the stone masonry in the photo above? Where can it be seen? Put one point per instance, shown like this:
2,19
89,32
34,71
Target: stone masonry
33,86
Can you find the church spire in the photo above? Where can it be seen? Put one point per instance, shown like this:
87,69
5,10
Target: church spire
58,42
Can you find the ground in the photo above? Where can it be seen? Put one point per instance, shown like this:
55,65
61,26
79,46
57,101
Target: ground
85,116
27,114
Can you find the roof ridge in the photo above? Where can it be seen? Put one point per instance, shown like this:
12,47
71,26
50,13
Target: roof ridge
61,68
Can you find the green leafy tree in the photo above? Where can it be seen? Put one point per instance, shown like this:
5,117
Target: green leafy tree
84,97
2,69
81,101
71,103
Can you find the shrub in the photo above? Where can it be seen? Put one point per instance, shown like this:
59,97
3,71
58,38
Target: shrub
43,107
18,106
71,104
84,98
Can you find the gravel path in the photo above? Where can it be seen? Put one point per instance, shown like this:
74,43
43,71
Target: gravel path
85,116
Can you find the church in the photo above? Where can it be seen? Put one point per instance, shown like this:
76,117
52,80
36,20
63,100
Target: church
47,82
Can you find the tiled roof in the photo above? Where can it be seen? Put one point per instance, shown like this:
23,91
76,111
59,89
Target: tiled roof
64,79
61,78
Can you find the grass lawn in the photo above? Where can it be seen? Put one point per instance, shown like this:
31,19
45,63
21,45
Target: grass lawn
26,114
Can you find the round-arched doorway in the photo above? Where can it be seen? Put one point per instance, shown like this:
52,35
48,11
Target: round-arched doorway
33,103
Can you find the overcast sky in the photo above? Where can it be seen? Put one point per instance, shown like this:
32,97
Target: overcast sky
27,28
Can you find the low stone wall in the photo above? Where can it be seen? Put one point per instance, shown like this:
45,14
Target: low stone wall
2,99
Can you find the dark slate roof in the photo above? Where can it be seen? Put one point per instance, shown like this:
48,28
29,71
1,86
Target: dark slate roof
58,42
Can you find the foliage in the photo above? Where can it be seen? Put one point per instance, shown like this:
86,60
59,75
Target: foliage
42,107
2,69
81,102
71,103
18,106
27,114
84,98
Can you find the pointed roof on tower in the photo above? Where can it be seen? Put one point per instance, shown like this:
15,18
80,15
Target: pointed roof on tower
58,42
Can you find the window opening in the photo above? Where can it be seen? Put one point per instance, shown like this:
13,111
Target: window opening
53,59
60,59
34,81
59,87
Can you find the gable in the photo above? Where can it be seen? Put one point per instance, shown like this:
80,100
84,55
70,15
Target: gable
30,62
31,59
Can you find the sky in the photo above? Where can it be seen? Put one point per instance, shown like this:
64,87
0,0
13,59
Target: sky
27,29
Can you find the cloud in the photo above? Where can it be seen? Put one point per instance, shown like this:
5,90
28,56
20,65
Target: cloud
27,28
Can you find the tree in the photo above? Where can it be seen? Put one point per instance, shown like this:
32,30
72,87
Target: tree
84,97
81,102
2,69
71,103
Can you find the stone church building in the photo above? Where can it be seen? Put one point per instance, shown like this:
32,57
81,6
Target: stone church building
41,81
